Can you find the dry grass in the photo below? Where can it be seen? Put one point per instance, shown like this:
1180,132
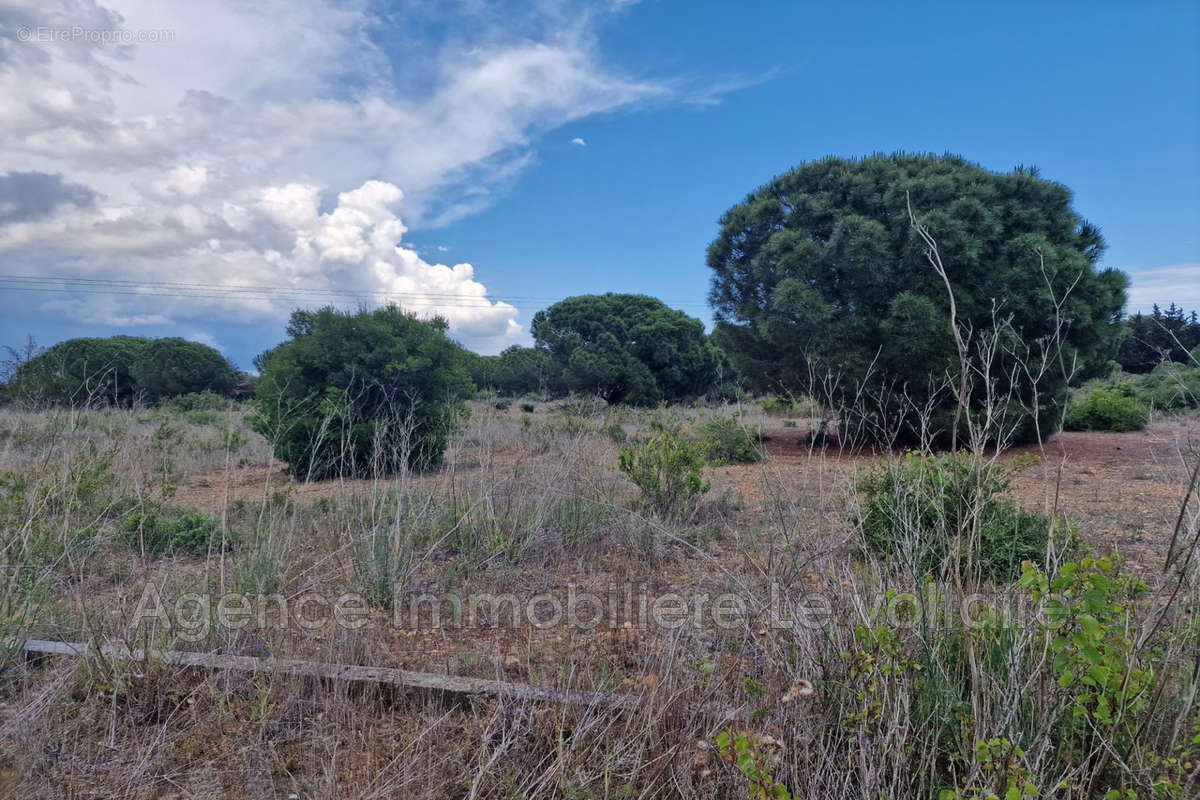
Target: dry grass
532,505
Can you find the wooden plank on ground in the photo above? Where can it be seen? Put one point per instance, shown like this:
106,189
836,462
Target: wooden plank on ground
407,679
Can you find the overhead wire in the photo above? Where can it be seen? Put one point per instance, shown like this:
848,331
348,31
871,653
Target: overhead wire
57,284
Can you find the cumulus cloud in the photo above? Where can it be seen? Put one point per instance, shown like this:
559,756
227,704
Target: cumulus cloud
273,145
578,142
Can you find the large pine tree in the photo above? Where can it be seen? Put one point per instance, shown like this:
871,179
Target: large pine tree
821,272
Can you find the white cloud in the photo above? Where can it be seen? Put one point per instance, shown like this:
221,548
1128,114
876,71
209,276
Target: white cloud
207,158
1175,283
204,337
578,142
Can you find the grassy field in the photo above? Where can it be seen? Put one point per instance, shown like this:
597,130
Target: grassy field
772,651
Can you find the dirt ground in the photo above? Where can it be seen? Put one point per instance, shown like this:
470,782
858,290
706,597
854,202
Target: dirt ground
1122,490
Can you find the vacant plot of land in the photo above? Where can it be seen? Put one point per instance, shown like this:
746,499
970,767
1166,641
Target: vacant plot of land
527,558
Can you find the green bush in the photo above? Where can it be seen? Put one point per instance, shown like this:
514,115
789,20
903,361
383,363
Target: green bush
503,404
1106,409
360,394
774,406
158,531
616,432
528,408
917,509
1170,387
667,468
726,439
201,401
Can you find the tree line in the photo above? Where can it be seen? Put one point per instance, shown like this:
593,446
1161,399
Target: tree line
907,291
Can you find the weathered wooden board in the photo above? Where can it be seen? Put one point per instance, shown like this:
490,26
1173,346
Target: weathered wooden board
418,681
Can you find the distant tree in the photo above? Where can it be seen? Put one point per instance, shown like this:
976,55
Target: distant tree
119,370
627,348
1156,337
80,372
482,369
527,370
821,272
355,394
165,368
16,356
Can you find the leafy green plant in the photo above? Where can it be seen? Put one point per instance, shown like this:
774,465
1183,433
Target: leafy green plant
926,509
518,371
727,439
667,468
1106,409
616,432
161,530
1003,774
528,408
754,755
1096,666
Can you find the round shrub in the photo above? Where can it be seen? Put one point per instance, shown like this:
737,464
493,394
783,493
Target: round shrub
667,467
727,440
1106,409
359,394
915,510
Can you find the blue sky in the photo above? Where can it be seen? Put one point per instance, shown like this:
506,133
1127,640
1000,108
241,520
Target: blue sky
682,109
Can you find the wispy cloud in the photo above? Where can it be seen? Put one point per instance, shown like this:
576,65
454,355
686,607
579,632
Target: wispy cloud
578,142
708,92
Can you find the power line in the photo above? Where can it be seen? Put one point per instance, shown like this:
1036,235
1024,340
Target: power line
232,287
143,288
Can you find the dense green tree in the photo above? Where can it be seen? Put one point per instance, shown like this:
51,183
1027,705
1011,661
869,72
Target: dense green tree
526,370
171,367
627,348
821,272
1162,335
481,369
363,393
122,369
